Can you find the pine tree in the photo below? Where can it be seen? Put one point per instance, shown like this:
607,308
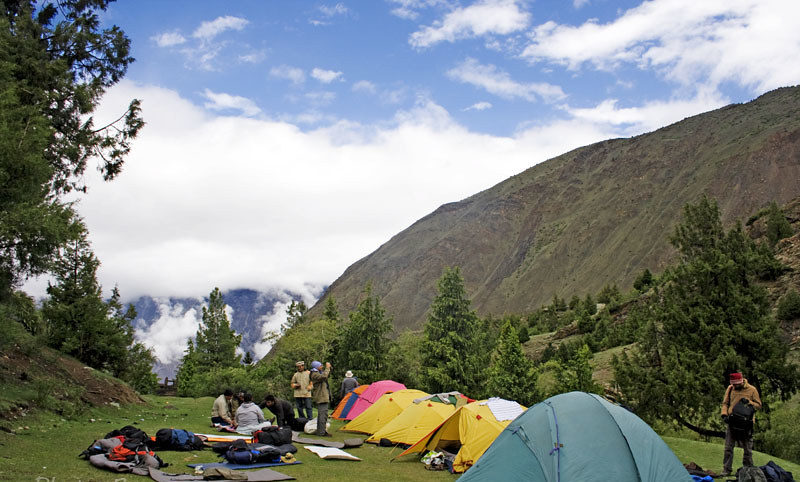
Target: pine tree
364,339
777,225
77,318
454,355
510,375
57,64
216,342
295,314
331,310
575,374
707,319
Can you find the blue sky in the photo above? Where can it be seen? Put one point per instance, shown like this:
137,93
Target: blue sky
286,139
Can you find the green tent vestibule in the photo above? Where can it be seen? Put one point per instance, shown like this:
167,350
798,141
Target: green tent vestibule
578,437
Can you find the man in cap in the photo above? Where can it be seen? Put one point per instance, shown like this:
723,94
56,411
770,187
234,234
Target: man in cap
321,394
738,392
301,384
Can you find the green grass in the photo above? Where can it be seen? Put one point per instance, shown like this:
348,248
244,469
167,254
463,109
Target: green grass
46,445
709,455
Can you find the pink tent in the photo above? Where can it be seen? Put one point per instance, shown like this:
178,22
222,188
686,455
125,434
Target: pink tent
372,393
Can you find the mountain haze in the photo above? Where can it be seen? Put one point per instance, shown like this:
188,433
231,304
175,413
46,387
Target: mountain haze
596,215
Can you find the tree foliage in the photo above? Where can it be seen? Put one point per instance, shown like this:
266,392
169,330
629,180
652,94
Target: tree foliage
55,65
363,342
453,353
216,342
79,323
708,319
778,226
510,375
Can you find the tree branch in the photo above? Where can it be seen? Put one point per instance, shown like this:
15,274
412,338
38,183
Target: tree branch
699,430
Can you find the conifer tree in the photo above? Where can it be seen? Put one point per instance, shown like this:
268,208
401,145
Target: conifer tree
77,318
295,314
777,225
216,342
454,355
707,319
364,340
57,64
510,375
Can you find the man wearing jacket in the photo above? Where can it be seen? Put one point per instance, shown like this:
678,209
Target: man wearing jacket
739,391
301,384
321,394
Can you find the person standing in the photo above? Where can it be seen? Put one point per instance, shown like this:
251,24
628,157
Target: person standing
301,384
741,393
348,384
321,394
221,410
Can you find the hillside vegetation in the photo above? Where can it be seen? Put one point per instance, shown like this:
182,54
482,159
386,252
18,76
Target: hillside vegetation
594,216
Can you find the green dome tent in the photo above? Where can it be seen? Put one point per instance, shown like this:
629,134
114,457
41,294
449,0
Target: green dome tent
578,437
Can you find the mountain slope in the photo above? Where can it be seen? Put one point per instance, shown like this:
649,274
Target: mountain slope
596,215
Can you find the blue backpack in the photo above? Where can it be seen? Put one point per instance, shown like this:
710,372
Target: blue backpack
177,439
776,473
243,453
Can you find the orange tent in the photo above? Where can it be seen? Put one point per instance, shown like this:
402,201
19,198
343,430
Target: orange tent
343,405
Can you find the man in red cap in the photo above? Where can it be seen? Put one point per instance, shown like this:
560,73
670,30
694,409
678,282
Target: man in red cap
741,393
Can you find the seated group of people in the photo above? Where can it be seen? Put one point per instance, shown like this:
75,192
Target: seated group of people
240,413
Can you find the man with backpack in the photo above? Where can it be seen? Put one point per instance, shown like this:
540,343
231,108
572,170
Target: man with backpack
739,404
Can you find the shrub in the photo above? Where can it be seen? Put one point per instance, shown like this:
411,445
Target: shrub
789,306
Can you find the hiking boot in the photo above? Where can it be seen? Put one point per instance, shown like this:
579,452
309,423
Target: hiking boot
326,434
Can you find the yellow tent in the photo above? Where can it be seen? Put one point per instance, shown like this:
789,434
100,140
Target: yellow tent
413,423
467,433
383,411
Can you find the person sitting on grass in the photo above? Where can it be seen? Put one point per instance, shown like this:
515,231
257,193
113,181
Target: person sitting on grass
249,416
282,409
221,411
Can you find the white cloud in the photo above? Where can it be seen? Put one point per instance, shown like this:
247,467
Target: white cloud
210,29
293,74
320,97
649,116
168,39
222,102
485,17
168,335
580,3
479,106
749,42
409,9
325,76
497,82
332,10
254,57
364,86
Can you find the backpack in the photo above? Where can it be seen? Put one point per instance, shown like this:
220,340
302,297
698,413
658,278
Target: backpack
273,435
775,473
741,420
749,473
243,453
178,439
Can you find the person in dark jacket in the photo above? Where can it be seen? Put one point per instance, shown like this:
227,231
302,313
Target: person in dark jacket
284,414
348,384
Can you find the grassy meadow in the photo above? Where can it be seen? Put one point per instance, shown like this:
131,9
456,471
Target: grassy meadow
45,447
